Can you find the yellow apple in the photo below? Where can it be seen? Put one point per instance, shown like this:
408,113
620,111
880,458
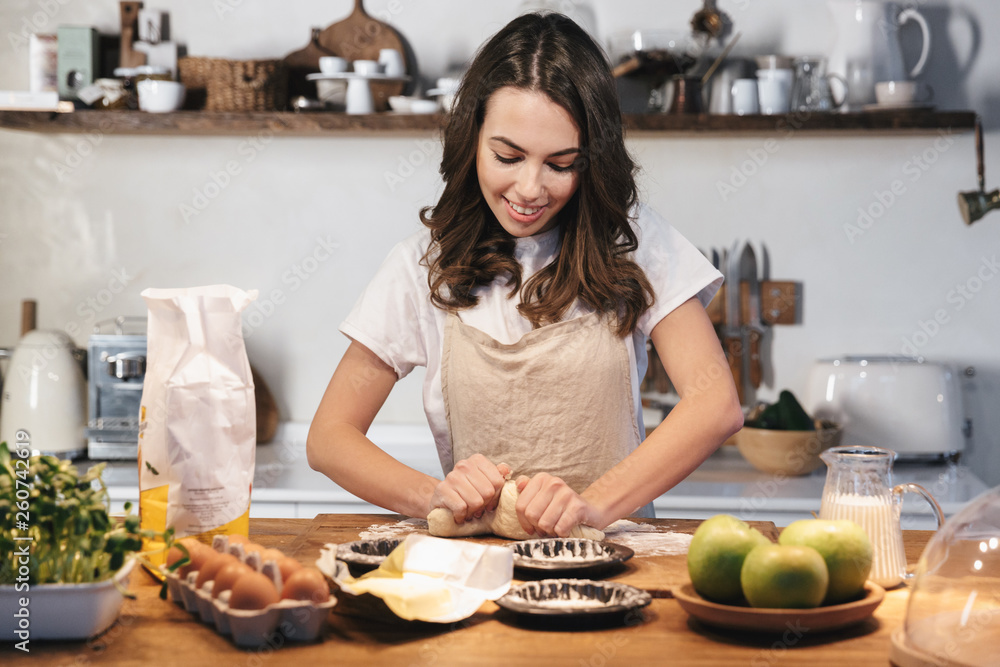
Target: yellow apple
716,555
845,547
784,576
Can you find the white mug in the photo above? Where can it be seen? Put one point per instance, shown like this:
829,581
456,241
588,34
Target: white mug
391,61
744,94
359,96
366,67
774,90
332,65
860,84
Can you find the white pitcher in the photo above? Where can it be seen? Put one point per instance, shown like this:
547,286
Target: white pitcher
867,48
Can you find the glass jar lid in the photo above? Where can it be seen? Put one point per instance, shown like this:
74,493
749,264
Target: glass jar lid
953,613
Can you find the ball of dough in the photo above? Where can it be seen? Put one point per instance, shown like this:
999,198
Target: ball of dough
502,521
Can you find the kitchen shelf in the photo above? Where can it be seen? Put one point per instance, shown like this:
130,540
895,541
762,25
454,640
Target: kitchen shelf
334,124
917,121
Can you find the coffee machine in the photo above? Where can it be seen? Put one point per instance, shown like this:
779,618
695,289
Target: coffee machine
116,369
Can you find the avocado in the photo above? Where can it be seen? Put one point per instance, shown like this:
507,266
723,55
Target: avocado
784,415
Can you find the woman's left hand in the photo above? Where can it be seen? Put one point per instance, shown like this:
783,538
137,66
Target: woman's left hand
547,506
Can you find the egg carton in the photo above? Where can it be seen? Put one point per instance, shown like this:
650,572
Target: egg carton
295,620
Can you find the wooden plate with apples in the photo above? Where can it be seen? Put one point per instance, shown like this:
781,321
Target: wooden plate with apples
818,619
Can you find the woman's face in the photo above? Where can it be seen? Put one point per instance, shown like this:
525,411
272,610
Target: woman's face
527,148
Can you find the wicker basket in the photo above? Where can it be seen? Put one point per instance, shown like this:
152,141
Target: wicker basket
236,85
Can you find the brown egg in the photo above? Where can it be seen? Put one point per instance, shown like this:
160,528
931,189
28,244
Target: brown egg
288,567
236,538
229,575
249,547
253,591
306,584
174,555
271,554
197,552
215,562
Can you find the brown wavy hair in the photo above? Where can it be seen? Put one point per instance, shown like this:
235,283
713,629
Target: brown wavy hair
550,54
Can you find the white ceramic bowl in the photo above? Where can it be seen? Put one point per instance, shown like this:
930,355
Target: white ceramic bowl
160,96
424,106
416,105
400,103
902,93
64,611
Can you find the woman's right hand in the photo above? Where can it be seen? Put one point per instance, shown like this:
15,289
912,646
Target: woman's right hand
471,488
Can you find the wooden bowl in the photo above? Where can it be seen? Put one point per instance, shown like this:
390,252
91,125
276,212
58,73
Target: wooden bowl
787,452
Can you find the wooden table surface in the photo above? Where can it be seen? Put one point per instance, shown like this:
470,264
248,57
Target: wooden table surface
151,631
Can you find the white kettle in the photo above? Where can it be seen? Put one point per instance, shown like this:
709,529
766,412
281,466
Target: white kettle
44,401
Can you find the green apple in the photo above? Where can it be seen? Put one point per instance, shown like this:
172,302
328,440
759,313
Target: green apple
845,547
784,576
716,555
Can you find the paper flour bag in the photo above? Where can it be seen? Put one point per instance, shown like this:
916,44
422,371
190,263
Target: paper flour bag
197,422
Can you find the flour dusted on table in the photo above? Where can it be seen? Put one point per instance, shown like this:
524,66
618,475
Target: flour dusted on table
647,540
388,531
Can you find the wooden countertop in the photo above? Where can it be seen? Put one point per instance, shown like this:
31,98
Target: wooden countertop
154,631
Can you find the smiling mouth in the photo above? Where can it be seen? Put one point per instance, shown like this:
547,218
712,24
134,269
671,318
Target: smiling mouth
525,212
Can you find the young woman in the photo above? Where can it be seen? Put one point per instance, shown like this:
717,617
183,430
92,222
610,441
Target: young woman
529,298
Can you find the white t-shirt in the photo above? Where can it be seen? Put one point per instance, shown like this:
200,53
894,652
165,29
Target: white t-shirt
395,319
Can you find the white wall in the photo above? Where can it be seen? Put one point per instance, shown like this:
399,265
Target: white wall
77,211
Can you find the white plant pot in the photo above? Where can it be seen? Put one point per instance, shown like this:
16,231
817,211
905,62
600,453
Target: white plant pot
62,611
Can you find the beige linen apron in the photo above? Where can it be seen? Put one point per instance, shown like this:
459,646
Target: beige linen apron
559,400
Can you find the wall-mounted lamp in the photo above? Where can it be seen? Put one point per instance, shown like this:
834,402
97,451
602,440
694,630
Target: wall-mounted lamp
974,205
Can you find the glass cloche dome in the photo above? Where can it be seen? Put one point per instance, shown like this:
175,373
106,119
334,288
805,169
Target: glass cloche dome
953,614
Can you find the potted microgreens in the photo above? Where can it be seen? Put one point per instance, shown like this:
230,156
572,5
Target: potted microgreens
64,561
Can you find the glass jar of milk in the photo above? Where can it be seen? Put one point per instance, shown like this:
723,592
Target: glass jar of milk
859,487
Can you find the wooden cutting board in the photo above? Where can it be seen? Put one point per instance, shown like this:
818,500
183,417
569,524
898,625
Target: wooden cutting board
303,62
357,37
653,573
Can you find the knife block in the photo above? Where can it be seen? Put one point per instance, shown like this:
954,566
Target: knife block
780,303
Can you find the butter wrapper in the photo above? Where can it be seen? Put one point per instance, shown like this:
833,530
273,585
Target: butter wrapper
430,579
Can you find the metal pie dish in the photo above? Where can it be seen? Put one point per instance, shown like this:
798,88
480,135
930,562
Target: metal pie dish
573,597
567,553
366,555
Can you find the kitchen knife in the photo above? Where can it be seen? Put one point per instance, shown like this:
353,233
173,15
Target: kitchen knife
719,300
732,329
753,330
